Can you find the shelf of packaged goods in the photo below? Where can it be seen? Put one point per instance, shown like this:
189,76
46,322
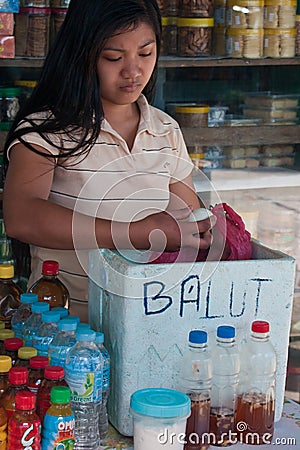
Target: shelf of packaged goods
217,61
22,62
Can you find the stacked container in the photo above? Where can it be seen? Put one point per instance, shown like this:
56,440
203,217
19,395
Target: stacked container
168,10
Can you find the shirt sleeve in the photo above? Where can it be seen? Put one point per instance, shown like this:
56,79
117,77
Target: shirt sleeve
184,165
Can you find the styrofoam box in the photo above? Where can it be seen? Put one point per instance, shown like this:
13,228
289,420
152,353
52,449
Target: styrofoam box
147,310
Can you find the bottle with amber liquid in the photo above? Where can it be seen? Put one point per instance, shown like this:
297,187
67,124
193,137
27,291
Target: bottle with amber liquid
256,399
50,288
195,380
9,294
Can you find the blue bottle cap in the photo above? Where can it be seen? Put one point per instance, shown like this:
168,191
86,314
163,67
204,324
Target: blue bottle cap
40,307
226,332
62,311
160,402
85,334
99,337
197,337
71,317
50,316
67,325
28,298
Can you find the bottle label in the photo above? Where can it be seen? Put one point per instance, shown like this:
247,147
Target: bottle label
86,387
58,432
24,435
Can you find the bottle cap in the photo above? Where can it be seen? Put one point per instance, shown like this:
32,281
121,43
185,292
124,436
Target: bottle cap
5,363
60,394
63,312
99,337
18,375
260,326
25,400
54,372
50,268
160,402
40,307
27,352
50,316
85,334
38,362
225,332
28,298
71,317
5,334
197,337
13,343
7,271
67,325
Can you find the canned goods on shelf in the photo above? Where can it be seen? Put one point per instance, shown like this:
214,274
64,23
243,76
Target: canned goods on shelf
32,29
192,116
245,14
280,43
280,13
196,8
244,43
194,37
169,36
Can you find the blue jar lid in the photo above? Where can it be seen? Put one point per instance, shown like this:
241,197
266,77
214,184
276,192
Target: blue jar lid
40,307
67,325
85,334
71,317
160,402
28,298
197,337
226,332
61,310
50,316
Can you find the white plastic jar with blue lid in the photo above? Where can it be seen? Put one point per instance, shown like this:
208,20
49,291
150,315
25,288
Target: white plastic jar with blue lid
159,418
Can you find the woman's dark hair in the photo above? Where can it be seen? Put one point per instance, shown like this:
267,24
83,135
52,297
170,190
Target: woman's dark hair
69,86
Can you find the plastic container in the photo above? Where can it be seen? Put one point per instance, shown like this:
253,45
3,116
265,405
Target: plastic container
280,43
24,427
17,378
244,43
9,294
256,400
220,13
58,16
49,287
63,312
32,32
226,368
271,99
5,366
245,14
24,356
192,115
23,313
59,421
169,36
46,332
11,347
37,366
53,376
5,334
297,49
219,41
33,322
280,13
195,381
63,341
196,8
84,375
194,37
267,113
103,420
158,414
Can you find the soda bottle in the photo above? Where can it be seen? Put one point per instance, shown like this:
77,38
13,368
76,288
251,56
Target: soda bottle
63,341
24,427
5,334
23,312
11,347
256,400
59,421
46,332
36,372
50,288
226,368
103,419
195,381
3,428
18,378
33,322
9,293
62,311
24,356
5,366
53,376
84,375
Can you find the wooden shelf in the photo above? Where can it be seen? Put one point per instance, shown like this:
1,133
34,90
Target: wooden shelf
22,62
217,61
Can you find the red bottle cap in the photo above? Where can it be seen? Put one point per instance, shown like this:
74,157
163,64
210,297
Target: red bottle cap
50,268
18,375
38,362
13,344
25,400
54,372
260,326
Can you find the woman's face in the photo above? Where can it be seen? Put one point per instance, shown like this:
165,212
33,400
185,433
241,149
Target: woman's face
126,63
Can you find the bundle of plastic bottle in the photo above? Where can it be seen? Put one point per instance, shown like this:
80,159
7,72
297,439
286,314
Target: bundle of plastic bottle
46,332
33,322
63,341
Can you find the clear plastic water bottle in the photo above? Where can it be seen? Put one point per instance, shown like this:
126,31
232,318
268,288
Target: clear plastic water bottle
226,368
256,399
33,322
195,380
103,419
63,341
84,375
46,332
23,312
